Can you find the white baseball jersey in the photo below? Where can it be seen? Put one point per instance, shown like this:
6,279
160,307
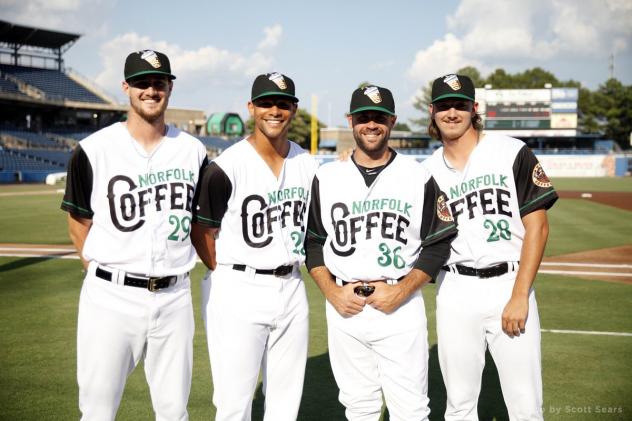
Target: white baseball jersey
376,232
501,183
261,217
139,203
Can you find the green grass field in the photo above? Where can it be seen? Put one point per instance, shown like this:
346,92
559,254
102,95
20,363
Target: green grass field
585,377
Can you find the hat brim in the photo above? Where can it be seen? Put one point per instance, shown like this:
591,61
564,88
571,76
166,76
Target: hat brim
372,108
150,72
444,96
274,93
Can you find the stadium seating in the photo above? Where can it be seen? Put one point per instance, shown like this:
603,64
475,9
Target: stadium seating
216,142
33,140
55,84
8,86
11,160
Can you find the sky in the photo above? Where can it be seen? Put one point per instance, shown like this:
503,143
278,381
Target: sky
329,47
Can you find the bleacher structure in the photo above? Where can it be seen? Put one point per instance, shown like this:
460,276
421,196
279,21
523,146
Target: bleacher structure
44,108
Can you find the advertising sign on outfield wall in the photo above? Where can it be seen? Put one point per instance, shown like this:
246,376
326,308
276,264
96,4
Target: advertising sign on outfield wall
578,165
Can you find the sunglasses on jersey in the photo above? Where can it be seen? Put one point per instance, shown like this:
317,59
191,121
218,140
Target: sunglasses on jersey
459,105
157,84
282,104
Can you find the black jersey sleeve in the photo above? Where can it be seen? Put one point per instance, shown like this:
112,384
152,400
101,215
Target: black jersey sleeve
437,230
437,222
432,257
78,185
316,234
211,197
533,187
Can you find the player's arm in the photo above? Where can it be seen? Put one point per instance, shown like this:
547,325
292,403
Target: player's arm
78,231
437,232
344,300
76,200
210,203
515,314
203,239
535,195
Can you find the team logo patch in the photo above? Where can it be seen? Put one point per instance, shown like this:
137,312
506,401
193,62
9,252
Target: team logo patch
278,80
539,177
374,94
453,82
151,58
442,209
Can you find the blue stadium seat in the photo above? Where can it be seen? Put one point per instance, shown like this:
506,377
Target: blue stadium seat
33,140
8,87
215,142
27,160
55,84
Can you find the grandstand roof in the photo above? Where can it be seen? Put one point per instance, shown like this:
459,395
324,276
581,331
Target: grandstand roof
26,35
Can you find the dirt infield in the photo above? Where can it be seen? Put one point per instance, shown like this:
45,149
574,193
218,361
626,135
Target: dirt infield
611,264
621,200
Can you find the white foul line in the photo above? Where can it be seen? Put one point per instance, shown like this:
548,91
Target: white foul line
586,332
588,265
42,256
579,272
35,249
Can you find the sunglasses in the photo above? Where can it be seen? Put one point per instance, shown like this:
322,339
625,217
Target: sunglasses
282,104
157,84
457,105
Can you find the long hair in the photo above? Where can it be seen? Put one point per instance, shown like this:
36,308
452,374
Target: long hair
433,130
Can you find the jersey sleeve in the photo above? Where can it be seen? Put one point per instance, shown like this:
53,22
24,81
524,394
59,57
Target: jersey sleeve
437,222
316,234
437,230
211,198
78,185
533,187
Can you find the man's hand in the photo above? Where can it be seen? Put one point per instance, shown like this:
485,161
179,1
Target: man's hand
515,314
345,301
386,298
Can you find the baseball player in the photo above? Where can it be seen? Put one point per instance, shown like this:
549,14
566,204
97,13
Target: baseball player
249,229
128,196
498,194
378,230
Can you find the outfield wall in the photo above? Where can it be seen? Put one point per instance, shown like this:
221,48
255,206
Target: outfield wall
562,165
554,166
584,165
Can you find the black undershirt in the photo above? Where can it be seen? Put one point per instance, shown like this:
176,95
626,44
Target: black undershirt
370,174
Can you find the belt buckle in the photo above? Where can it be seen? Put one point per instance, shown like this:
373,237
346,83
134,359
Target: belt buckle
281,271
151,284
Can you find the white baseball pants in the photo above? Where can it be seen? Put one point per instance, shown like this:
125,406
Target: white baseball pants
469,312
255,322
120,325
373,353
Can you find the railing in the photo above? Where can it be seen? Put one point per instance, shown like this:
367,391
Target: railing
23,87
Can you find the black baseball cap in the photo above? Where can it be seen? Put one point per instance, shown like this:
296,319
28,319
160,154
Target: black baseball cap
452,86
273,84
147,62
373,98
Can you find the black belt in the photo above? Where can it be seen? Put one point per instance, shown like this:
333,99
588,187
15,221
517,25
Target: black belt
280,271
379,280
489,272
152,284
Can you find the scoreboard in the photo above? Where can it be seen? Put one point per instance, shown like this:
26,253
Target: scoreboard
529,112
